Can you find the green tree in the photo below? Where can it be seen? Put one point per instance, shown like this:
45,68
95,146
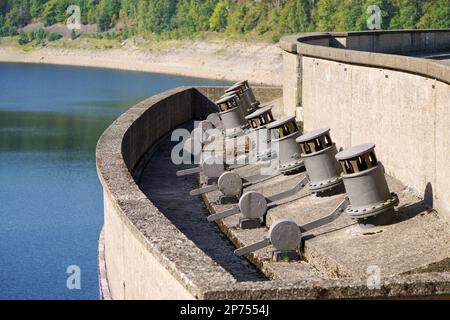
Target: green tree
273,18
53,36
203,12
19,14
36,7
54,11
238,18
436,14
107,13
23,38
256,13
323,15
131,8
409,13
295,16
156,15
219,18
185,17
350,16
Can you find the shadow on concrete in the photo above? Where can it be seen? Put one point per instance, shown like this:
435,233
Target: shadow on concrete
170,194
420,207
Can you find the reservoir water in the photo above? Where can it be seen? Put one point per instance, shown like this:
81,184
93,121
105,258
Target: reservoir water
50,199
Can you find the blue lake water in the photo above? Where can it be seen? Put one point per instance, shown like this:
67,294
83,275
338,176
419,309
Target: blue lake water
50,199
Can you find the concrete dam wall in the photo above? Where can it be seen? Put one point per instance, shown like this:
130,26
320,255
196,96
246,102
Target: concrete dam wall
348,82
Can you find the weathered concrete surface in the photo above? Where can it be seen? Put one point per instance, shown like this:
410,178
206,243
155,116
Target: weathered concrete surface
149,257
170,194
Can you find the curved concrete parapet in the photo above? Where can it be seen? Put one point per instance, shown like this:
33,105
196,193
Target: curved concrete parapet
146,256
378,89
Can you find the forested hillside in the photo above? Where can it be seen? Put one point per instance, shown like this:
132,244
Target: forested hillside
185,18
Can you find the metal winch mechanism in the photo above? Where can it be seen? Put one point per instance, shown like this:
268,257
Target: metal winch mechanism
371,202
368,197
283,134
242,89
232,116
318,152
231,184
237,102
253,206
259,134
323,179
285,236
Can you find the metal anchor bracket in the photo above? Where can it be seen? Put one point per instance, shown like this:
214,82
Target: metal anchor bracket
285,235
253,205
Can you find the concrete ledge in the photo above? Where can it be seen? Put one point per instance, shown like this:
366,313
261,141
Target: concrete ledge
146,256
378,44
413,65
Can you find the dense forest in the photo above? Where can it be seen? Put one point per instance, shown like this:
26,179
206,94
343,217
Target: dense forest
185,18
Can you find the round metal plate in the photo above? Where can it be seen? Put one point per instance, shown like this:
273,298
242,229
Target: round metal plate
230,184
226,99
259,111
280,122
285,235
355,151
236,86
253,205
311,135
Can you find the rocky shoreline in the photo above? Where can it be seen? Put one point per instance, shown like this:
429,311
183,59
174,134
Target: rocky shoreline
259,62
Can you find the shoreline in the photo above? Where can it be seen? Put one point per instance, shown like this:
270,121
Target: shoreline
260,63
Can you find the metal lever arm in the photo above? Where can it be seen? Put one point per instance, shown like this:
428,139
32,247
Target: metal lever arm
223,214
285,234
206,189
327,219
257,178
187,172
253,247
283,195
